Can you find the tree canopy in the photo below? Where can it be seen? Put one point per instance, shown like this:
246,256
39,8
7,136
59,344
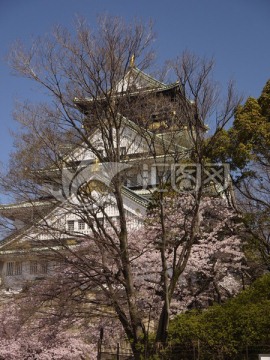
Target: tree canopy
229,329
246,147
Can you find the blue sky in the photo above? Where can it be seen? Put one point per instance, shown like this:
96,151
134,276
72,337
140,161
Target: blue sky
235,32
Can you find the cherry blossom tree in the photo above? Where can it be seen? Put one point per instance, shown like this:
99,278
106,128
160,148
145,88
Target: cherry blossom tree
87,289
26,337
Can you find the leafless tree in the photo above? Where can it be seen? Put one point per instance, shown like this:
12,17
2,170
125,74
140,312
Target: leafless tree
82,76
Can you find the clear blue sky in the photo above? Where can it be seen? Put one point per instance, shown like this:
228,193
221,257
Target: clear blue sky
235,32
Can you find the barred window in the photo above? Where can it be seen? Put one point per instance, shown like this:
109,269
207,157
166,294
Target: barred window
33,267
18,268
70,225
10,269
14,268
44,267
81,225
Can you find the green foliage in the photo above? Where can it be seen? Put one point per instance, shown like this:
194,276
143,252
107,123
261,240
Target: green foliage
249,137
227,330
264,100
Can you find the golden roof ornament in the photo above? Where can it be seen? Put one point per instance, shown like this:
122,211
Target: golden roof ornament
132,61
95,166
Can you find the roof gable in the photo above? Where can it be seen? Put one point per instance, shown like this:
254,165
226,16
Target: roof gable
136,79
32,238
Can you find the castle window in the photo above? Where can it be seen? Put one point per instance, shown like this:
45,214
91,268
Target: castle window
33,267
81,225
101,221
132,181
14,268
18,268
123,151
10,268
44,267
70,225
